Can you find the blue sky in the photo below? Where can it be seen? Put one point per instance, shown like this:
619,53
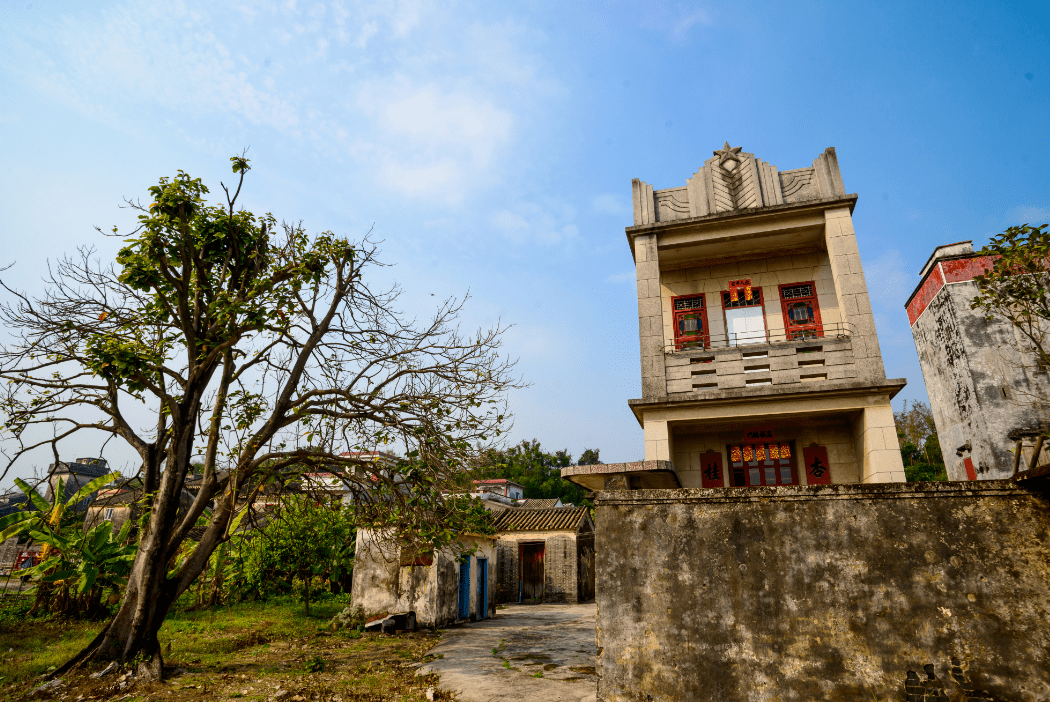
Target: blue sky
492,146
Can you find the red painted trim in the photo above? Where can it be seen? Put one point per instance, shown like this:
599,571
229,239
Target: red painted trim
962,269
971,474
925,294
817,326
951,270
705,338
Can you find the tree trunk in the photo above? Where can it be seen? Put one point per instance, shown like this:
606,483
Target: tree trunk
307,580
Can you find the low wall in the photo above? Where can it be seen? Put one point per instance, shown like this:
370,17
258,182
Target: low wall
824,593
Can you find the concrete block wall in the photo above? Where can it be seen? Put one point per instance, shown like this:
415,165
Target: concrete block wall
790,363
877,447
650,324
560,565
852,291
841,592
560,561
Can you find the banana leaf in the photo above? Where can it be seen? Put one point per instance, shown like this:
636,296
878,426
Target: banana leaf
38,501
91,487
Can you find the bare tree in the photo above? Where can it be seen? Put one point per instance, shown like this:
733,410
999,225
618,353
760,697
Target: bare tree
254,350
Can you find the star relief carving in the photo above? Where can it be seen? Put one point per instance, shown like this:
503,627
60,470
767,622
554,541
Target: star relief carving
727,153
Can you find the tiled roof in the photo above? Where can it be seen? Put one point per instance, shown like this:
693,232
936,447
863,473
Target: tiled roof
538,504
559,518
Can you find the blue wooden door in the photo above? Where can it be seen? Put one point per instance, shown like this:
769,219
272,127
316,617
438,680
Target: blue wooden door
483,588
464,589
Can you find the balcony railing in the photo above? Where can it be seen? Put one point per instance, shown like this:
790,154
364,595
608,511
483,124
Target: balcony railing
835,331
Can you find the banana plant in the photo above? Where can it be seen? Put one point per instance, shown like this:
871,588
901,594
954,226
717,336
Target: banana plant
77,567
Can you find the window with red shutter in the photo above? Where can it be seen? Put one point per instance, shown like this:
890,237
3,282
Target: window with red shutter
801,311
690,322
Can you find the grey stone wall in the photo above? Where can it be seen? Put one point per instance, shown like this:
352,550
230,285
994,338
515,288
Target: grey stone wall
559,569
562,567
507,570
982,396
841,592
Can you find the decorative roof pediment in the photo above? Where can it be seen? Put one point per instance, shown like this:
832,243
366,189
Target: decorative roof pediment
732,180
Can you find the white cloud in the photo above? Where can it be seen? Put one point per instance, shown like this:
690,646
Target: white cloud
431,142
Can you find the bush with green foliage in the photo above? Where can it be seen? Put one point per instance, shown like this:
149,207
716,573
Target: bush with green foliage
303,540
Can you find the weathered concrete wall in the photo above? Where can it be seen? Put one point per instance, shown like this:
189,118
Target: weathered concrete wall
382,584
822,593
981,392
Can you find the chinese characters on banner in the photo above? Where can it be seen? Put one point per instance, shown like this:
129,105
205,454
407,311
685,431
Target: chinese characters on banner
740,290
711,475
818,471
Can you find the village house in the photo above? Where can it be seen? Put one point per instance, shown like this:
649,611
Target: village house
441,587
989,399
498,486
545,554
759,356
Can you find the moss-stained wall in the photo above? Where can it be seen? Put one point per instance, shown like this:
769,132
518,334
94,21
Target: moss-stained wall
824,593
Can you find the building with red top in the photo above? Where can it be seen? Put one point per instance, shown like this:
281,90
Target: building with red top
983,390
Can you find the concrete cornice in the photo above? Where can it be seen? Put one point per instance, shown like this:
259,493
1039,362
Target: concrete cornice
738,216
793,493
736,396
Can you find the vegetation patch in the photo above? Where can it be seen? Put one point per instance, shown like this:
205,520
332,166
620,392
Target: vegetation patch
250,650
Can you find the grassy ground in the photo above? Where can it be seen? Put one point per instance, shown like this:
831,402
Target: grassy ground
252,651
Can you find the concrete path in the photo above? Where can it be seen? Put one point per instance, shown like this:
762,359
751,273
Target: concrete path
554,640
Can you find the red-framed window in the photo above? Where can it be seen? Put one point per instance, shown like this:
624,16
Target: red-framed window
690,322
744,314
801,311
752,465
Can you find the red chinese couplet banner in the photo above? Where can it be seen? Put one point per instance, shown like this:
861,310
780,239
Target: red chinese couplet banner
971,474
818,472
711,475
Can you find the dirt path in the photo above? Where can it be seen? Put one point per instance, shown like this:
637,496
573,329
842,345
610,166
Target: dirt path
555,641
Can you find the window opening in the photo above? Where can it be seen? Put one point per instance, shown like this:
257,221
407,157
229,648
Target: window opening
754,465
109,513
745,320
801,311
690,323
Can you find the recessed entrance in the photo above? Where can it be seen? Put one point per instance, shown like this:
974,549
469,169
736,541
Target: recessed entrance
752,465
530,558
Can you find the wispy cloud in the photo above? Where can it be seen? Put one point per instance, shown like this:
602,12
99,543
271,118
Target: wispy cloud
431,104
529,222
676,21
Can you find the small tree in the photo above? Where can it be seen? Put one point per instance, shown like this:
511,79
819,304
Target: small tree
252,348
303,539
1017,287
